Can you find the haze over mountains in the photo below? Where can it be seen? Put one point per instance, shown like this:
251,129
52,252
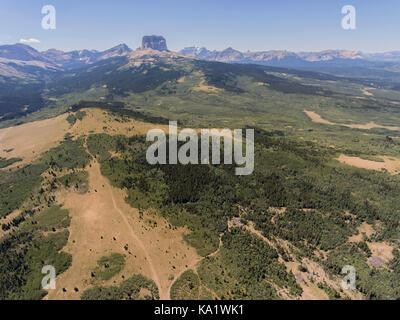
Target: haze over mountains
283,58
20,60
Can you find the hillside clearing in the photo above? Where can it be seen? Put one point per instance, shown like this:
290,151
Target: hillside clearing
315,117
102,215
392,165
29,140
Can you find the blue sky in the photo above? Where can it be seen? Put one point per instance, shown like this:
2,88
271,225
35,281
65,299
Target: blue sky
295,25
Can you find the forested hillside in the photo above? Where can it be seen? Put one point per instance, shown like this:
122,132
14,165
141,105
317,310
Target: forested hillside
82,197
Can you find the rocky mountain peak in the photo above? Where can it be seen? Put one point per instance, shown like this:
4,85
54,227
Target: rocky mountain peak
154,42
118,50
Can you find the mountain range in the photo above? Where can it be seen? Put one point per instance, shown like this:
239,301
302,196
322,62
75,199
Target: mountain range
232,55
20,60
308,60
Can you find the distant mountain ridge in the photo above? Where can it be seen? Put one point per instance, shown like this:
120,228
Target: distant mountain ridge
22,61
285,58
82,57
55,60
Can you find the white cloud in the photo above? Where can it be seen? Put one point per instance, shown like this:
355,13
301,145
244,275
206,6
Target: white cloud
31,40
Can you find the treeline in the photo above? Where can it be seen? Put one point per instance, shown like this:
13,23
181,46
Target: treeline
129,289
224,76
7,162
73,117
118,108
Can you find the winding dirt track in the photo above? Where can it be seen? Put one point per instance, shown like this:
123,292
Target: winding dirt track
142,246
136,238
193,265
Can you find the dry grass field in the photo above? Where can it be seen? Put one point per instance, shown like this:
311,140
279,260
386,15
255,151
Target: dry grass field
102,222
390,164
29,140
315,117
